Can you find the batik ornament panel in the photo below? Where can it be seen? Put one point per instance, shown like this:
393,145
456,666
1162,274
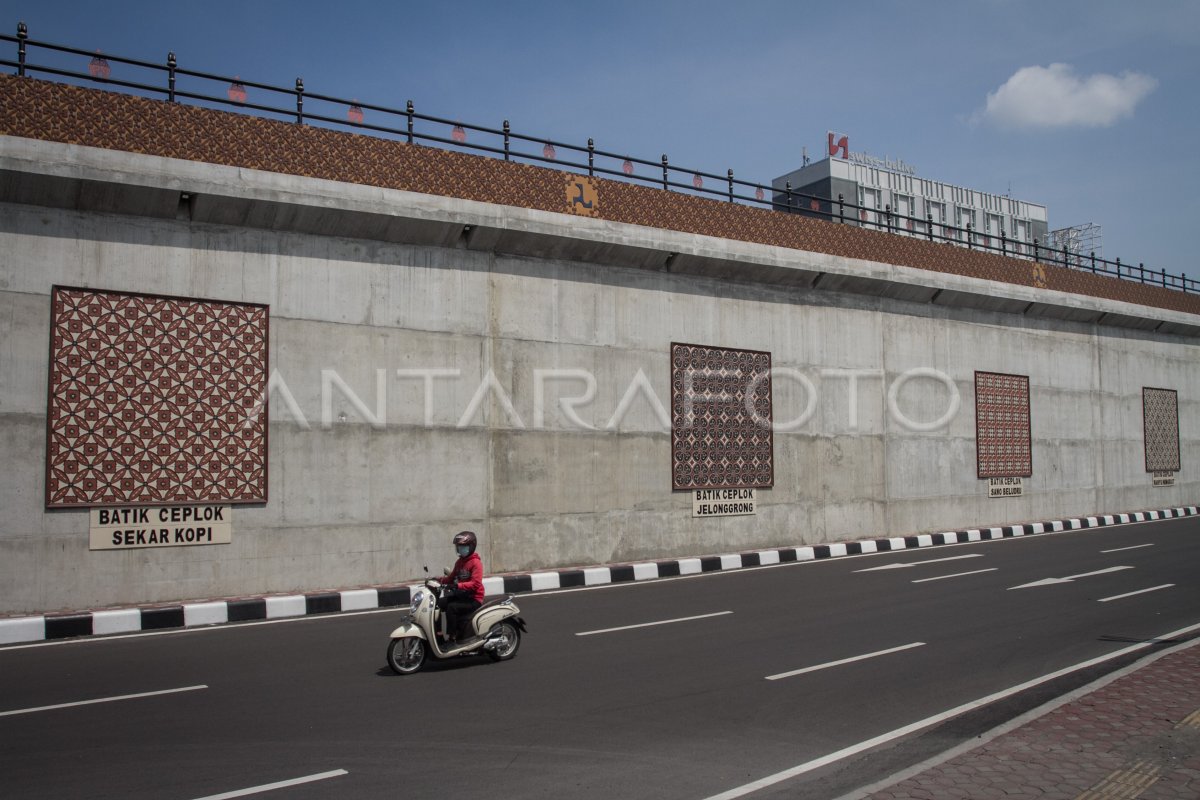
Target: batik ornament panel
1002,429
720,418
1160,420
155,400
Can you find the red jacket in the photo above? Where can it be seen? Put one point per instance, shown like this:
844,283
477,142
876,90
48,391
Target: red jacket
468,572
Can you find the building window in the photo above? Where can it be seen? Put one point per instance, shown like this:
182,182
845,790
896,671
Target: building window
936,212
963,218
1021,236
994,224
904,209
869,200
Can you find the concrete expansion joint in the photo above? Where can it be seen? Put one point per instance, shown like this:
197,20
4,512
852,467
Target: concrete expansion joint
109,621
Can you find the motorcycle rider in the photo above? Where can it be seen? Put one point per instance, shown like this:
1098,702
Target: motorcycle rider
464,592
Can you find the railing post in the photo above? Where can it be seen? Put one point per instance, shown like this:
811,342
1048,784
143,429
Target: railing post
171,65
841,208
1141,272
507,131
664,163
1118,267
22,35
969,236
1093,262
1035,249
887,217
1066,257
299,101
1003,242
929,226
788,188
409,113
591,157
1164,276
730,173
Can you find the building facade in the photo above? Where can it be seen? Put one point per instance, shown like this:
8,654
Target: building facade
887,194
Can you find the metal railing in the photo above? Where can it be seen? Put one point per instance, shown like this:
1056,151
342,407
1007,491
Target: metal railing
177,84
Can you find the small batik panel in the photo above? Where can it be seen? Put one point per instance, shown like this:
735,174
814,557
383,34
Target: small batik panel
1002,430
720,418
1160,418
155,400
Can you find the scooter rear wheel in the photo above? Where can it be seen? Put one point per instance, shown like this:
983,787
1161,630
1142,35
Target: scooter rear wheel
510,640
406,655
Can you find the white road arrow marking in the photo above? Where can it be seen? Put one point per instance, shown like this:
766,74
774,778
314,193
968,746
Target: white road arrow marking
920,563
1068,579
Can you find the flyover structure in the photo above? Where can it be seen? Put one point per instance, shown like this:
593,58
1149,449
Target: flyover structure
245,356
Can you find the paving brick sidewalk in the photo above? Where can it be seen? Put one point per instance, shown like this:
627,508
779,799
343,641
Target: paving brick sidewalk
1137,736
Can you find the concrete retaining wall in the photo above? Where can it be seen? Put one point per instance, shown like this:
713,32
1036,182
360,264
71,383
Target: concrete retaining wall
472,345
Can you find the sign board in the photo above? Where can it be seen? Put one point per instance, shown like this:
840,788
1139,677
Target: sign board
1164,478
723,502
1005,487
887,164
132,527
840,143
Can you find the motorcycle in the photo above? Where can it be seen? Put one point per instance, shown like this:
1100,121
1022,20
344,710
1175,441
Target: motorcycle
495,630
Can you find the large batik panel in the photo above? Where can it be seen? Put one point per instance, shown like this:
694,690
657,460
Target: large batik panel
720,418
155,400
1160,420
1002,430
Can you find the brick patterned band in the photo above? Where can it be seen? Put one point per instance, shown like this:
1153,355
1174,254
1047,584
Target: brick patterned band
155,400
1160,418
1002,431
39,109
720,418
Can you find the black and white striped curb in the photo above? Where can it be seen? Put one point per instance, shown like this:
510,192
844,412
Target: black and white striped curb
16,630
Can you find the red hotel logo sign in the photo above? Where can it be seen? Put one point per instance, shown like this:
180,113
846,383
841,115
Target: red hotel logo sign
836,144
839,143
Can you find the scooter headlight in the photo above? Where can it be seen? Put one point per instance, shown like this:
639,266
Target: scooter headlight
417,598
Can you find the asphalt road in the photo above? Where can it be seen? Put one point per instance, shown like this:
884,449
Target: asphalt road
770,682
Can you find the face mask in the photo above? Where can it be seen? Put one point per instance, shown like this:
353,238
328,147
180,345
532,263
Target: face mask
463,550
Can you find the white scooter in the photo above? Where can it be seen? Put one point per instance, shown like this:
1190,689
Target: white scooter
496,630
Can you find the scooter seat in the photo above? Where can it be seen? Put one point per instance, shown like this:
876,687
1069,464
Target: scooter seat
493,602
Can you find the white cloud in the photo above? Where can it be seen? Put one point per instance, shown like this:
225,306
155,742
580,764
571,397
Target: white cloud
1056,97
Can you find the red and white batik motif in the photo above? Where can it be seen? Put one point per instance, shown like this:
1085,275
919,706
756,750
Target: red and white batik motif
720,418
1002,430
1160,420
155,400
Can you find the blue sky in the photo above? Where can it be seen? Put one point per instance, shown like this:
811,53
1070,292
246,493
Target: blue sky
1089,107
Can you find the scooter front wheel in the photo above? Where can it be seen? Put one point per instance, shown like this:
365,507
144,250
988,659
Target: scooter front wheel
406,655
509,636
